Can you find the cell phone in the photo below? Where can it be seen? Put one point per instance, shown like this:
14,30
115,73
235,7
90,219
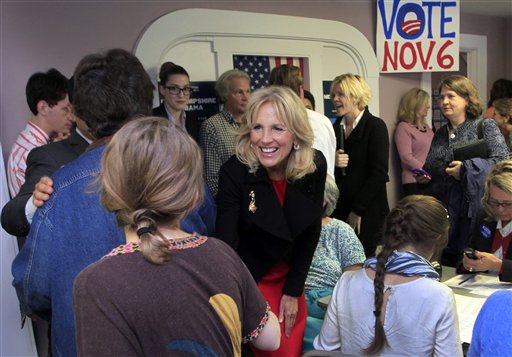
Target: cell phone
421,172
470,253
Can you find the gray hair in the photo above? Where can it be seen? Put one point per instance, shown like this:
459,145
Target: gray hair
222,84
331,195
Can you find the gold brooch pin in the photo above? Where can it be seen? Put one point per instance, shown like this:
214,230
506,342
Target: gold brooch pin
252,204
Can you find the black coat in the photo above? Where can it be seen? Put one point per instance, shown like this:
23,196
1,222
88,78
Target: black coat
271,233
41,161
191,123
363,188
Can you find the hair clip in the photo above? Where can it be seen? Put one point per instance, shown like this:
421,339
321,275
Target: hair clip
143,230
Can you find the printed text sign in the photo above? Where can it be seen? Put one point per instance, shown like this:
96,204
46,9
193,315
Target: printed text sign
418,36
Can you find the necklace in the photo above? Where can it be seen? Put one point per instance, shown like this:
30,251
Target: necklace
191,241
422,129
452,132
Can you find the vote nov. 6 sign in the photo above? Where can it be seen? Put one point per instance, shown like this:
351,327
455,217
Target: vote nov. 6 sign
418,36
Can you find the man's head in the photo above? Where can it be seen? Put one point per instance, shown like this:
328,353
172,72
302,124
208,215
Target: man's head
233,89
110,89
289,76
47,98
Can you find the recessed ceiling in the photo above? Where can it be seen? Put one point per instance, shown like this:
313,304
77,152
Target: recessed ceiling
499,8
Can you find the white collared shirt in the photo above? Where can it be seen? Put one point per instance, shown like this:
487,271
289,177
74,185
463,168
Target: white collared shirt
504,231
358,118
173,119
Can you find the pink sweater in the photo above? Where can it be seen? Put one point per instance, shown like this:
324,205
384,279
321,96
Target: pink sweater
413,146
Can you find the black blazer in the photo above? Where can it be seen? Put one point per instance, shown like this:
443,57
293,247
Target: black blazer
191,123
482,239
363,188
41,161
271,233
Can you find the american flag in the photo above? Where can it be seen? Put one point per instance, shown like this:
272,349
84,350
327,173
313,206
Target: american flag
259,67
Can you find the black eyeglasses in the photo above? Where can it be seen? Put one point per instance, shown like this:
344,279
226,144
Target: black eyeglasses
495,204
176,90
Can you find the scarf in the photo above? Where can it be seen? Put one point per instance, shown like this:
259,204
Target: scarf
406,264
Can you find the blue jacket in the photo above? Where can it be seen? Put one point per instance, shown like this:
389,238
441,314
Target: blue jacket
71,231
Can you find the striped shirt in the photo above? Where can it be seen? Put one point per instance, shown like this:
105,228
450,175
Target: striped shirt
32,137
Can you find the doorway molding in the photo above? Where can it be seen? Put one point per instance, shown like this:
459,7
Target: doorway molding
331,47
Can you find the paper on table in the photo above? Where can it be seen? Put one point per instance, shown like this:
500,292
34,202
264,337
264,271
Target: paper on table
479,284
467,311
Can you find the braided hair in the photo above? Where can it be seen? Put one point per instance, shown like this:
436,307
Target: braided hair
151,177
419,221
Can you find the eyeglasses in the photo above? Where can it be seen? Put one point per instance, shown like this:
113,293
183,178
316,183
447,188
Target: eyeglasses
496,204
176,90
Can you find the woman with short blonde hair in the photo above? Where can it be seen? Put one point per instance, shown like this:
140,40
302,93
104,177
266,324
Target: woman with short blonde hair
362,161
492,235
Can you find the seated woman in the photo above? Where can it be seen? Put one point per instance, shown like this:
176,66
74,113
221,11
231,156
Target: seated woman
338,250
395,305
270,205
491,332
165,292
493,229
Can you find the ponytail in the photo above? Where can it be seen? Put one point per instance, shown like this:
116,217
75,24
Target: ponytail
154,247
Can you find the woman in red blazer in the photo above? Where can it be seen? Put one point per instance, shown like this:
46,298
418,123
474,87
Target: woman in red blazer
270,205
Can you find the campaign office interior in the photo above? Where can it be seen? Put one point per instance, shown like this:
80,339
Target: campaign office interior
336,36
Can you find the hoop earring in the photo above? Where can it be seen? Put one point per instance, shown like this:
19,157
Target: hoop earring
296,147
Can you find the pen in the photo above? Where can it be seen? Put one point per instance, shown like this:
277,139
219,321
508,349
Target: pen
466,279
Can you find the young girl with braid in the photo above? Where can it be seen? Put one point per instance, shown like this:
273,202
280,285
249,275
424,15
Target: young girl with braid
166,292
395,305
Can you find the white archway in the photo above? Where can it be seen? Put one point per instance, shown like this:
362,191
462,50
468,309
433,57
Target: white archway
204,41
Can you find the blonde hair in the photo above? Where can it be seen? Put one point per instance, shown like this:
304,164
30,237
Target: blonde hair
354,87
467,90
500,176
411,104
293,115
151,176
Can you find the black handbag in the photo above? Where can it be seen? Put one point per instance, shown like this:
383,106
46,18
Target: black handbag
477,148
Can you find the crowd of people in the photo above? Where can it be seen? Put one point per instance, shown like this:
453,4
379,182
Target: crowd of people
149,233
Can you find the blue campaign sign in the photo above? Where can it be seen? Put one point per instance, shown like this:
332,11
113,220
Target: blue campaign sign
203,100
329,111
